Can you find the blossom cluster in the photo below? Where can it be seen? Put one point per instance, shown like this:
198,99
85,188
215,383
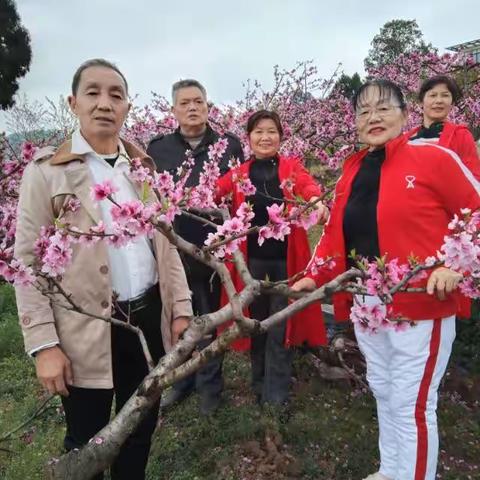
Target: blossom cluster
278,226
57,252
15,271
318,264
229,236
461,251
12,166
371,309
244,184
203,195
376,317
382,275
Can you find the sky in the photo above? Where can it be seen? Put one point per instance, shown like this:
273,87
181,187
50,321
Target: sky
221,43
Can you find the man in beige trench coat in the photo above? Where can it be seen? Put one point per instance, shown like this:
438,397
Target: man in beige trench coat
86,360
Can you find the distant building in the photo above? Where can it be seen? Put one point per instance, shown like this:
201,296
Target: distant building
471,48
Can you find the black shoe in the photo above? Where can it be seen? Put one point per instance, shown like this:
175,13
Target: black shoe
209,403
172,397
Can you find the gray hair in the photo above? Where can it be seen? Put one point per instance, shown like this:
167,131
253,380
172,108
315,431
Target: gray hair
189,82
95,62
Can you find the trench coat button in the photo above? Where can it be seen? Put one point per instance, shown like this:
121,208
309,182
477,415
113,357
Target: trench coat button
26,320
105,303
104,269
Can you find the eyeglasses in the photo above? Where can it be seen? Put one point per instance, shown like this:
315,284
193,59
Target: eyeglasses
383,111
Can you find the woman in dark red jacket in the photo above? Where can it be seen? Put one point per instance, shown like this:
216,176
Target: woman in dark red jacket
396,198
437,96
271,355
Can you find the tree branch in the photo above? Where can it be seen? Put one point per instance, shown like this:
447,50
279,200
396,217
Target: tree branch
99,453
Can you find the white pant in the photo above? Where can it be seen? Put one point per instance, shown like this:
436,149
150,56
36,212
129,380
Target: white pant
404,370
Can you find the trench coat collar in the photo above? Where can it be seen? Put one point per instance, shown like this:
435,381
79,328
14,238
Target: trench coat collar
64,154
78,173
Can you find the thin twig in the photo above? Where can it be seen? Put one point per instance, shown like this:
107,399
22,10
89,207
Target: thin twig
410,275
350,371
7,450
256,228
34,415
236,236
199,218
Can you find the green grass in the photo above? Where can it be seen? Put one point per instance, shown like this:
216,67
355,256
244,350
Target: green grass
328,433
20,395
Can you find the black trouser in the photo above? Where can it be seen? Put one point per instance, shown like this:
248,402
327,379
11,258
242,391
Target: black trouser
271,361
87,410
206,288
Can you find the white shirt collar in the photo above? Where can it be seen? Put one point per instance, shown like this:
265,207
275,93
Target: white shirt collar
81,147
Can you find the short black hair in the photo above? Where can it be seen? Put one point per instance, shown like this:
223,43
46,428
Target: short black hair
432,82
256,117
188,82
387,89
95,62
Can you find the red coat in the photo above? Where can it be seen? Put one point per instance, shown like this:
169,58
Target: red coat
306,326
421,187
459,139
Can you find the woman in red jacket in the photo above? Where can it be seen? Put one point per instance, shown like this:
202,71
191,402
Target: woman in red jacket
271,355
437,96
393,199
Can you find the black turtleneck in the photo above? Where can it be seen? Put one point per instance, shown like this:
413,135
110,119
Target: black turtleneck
360,228
264,176
433,131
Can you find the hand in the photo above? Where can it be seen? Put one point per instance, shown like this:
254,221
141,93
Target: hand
304,284
179,325
54,370
323,212
443,281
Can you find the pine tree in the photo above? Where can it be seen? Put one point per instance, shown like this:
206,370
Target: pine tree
15,52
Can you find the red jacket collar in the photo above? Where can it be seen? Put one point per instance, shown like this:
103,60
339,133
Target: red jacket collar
448,131
390,147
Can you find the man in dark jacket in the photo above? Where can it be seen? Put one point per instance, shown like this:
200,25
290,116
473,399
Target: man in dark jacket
168,151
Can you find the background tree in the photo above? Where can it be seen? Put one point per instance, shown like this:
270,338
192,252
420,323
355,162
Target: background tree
35,121
396,37
15,52
347,85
